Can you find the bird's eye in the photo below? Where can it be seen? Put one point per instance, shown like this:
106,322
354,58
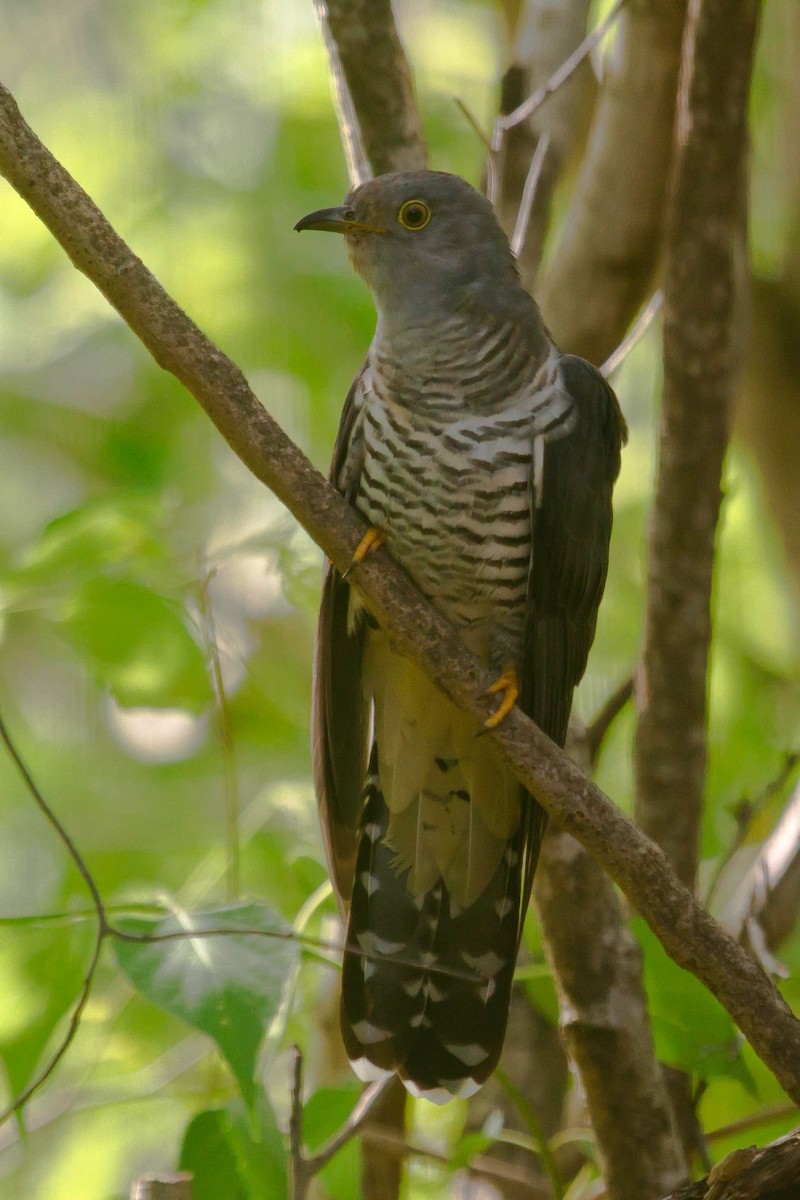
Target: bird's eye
414,214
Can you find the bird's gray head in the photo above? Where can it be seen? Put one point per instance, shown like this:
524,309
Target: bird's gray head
426,243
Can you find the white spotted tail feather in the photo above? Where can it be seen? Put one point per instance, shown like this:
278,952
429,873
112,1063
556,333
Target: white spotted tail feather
425,991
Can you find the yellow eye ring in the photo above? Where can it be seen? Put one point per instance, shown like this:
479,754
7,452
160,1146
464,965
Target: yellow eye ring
414,215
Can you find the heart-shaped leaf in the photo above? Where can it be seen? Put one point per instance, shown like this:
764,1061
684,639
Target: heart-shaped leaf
229,984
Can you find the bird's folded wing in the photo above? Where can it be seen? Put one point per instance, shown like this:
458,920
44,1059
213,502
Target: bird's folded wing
340,718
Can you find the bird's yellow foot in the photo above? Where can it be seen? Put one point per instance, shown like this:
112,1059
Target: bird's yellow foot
508,685
372,540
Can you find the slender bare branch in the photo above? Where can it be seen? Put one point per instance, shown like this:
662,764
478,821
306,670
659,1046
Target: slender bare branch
690,936
381,127
232,800
603,266
528,195
769,894
634,335
535,101
364,1107
175,1186
546,36
596,731
299,1175
473,122
745,812
481,1166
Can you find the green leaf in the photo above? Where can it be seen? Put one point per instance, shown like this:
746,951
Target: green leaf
102,533
229,986
691,1029
44,969
324,1115
139,645
229,1162
470,1145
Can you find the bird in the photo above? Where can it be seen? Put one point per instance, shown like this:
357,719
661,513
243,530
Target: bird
484,459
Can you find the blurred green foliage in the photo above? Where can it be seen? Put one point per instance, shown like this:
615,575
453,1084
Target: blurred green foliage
204,128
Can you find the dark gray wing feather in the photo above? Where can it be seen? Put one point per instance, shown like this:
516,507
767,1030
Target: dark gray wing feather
339,716
571,529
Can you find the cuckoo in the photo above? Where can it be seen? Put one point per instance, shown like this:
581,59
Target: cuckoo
484,458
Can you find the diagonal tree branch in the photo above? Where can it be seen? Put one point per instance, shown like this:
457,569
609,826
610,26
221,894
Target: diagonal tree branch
378,116
689,934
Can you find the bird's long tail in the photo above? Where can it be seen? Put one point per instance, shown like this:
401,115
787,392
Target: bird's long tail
426,985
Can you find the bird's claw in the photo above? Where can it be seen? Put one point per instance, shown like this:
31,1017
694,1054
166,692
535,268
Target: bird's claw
372,540
508,685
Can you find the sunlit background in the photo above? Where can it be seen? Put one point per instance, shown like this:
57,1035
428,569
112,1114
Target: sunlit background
132,541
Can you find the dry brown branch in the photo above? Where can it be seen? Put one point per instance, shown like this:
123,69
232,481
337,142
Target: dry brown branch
527,108
481,1166
598,965
378,116
604,265
701,356
634,334
769,1173
304,1167
704,242
690,936
597,730
224,729
175,1186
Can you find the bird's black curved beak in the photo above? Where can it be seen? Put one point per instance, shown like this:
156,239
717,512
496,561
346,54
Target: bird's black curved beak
335,220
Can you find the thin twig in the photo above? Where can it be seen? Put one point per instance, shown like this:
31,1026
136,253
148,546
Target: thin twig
299,1177
597,729
473,122
634,335
74,1022
778,1112
102,926
362,1109
745,813
53,820
529,195
225,732
556,80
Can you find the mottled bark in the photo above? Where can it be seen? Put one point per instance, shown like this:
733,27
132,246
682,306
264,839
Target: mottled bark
702,341
770,1173
604,1016
413,627
602,269
381,127
702,336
